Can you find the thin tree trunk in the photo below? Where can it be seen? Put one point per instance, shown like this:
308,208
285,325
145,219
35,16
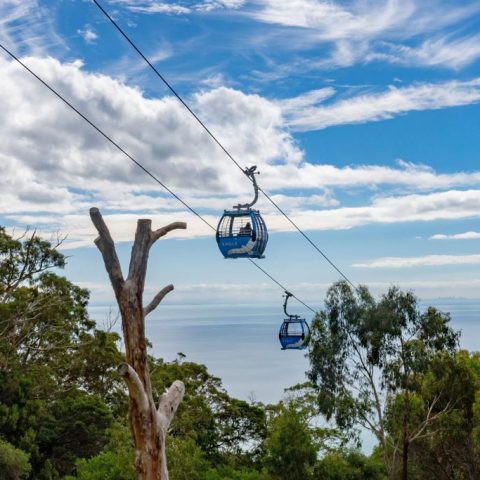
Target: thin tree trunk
406,444
149,424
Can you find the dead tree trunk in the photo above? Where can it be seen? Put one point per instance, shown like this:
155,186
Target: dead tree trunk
149,424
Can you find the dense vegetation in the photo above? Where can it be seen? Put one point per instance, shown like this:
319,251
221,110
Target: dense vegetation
381,365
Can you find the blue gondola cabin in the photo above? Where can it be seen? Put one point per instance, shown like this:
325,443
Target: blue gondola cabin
294,331
242,234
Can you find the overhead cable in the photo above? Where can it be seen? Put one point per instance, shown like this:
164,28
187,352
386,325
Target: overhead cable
132,159
215,139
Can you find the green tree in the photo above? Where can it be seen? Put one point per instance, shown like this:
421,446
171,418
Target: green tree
53,365
24,258
225,472
349,465
14,464
76,428
225,428
91,365
186,461
363,353
115,462
290,448
447,445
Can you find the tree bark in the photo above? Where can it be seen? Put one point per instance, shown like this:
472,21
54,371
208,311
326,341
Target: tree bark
406,444
148,423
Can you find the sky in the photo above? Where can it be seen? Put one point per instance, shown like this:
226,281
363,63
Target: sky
362,117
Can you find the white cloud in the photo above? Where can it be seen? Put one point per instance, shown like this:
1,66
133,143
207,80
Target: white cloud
215,80
160,133
53,164
443,51
291,106
425,261
451,205
28,25
177,8
152,6
334,21
456,236
88,34
357,31
290,202
411,176
323,20
209,5
384,105
130,66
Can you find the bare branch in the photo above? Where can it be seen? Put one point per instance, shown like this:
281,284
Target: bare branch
430,419
368,373
161,232
170,401
396,448
27,260
432,433
157,299
140,250
105,244
135,386
369,425
144,239
148,424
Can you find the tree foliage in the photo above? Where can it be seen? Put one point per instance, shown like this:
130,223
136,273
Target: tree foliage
14,463
449,446
291,450
218,423
368,356
349,465
115,462
53,399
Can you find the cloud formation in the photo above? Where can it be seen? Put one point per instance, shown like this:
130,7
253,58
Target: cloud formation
361,31
308,115
29,26
176,8
425,261
88,34
335,20
53,166
456,236
454,53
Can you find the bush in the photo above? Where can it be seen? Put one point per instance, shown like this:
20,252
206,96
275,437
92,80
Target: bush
349,466
14,464
228,473
106,466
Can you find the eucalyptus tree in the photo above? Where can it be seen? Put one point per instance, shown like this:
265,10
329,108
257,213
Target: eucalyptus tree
366,354
450,447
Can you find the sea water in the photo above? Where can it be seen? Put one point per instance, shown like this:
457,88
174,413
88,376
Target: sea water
239,343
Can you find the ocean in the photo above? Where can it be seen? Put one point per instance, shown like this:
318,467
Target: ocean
239,343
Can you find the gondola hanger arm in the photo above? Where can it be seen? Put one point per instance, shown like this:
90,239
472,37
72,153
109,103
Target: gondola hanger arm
250,172
287,296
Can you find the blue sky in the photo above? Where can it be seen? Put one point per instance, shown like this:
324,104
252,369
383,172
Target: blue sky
363,117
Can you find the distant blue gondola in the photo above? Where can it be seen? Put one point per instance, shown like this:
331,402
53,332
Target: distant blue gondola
242,233
294,331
